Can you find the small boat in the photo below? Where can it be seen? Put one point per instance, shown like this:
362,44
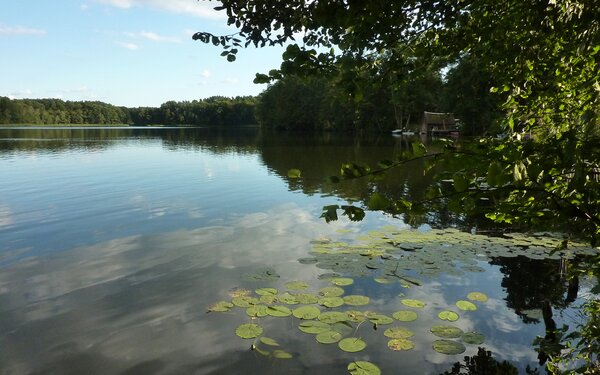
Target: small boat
402,132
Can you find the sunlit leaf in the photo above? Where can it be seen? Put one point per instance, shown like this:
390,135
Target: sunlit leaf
294,173
296,285
356,316
280,354
239,292
331,291
363,368
405,315
352,344
331,302
448,347
477,296
257,311
266,291
398,333
466,305
380,319
306,312
448,315
249,331
341,281
287,298
331,317
378,202
447,332
220,306
328,337
245,301
400,344
306,298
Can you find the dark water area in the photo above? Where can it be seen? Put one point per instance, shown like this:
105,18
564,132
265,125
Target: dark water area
115,242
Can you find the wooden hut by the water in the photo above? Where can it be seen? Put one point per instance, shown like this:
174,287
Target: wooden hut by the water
438,123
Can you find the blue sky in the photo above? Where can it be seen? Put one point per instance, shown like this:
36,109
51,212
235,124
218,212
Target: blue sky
124,52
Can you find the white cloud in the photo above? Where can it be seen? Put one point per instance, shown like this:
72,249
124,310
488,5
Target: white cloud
231,81
20,30
206,73
21,94
191,7
129,46
149,35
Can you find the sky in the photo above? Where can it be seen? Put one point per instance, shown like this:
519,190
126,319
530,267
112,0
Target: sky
124,52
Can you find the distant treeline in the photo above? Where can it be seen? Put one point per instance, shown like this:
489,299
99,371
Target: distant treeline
215,111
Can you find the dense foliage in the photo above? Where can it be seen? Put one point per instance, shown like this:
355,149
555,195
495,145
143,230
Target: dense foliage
214,111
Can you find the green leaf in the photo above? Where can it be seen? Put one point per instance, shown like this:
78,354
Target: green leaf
447,332
331,302
418,304
474,338
331,291
398,333
466,305
294,173
378,202
341,281
306,312
296,285
448,347
268,341
280,354
352,344
244,301
356,300
266,291
400,344
461,183
380,319
220,306
314,327
418,149
328,337
249,331
405,315
278,311
448,315
477,296
257,311
363,368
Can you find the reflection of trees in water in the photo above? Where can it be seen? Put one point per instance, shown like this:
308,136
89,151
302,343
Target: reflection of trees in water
484,364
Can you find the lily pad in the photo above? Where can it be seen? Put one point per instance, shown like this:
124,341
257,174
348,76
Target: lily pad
477,296
398,333
268,299
268,341
280,354
331,291
278,311
385,280
331,302
356,316
448,315
447,332
327,276
417,304
266,291
328,337
400,344
356,300
264,274
466,305
296,285
249,331
344,328
239,292
314,327
380,319
352,344
287,298
474,338
257,311
405,315
244,301
331,317
220,306
363,368
306,312
341,281
306,298
449,347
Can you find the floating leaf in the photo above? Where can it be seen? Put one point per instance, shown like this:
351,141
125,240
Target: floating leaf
352,344
384,280
466,305
448,315
266,353
278,311
418,304
266,291
328,337
327,276
474,338
314,327
257,311
401,344
363,368
306,312
264,274
244,301
447,332
355,300
341,281
331,317
398,333
268,341
331,291
220,306
331,302
306,298
344,328
405,315
380,319
239,292
294,173
268,299
287,298
477,296
448,347
296,285
280,354
249,331
356,316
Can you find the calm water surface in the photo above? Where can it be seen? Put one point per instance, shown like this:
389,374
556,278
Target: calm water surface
115,242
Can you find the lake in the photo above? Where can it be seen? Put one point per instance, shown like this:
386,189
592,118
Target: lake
149,251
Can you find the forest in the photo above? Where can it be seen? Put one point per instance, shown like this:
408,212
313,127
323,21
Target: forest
214,111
